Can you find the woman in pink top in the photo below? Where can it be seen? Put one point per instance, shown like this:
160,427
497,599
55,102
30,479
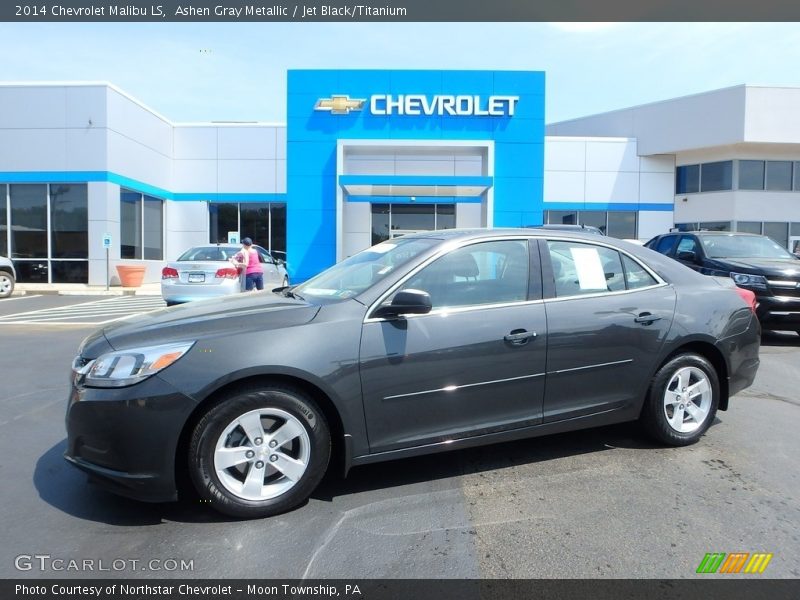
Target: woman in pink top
249,259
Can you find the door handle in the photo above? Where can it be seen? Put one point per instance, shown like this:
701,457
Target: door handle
646,318
519,337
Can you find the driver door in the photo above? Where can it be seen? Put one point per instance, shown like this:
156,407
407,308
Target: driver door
475,364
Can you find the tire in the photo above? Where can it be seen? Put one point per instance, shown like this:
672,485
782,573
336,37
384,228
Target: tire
665,416
7,283
239,431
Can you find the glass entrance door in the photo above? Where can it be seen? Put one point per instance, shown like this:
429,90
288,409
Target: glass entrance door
394,220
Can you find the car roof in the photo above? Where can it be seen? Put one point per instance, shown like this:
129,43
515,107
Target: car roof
728,233
533,232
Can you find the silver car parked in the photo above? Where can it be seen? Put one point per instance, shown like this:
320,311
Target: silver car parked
8,277
207,272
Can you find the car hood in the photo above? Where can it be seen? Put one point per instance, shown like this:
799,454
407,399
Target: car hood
203,319
762,266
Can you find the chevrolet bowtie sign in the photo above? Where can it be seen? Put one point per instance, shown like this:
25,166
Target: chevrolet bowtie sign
421,105
339,105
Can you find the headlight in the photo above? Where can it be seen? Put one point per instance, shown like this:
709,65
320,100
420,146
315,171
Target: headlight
126,367
751,281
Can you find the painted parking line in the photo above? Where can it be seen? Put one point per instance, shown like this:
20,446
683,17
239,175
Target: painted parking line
97,312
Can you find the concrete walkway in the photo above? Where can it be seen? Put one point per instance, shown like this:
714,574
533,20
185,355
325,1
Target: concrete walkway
82,289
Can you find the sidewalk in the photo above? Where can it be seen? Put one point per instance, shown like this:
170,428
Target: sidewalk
82,289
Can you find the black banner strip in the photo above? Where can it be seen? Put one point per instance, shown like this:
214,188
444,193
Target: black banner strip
362,11
741,587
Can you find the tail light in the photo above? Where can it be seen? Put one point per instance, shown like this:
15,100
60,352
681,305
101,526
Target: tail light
227,273
169,273
748,296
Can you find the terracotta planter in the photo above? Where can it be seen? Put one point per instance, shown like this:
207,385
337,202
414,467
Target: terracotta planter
131,275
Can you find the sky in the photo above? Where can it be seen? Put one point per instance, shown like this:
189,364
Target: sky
192,72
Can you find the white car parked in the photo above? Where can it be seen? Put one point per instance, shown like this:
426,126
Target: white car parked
206,272
8,277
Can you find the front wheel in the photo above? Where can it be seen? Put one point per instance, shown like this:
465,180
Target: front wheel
260,452
682,400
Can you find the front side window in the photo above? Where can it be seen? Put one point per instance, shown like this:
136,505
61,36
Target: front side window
585,269
484,273
687,244
665,244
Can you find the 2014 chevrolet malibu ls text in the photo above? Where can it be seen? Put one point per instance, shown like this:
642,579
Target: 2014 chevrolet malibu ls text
424,343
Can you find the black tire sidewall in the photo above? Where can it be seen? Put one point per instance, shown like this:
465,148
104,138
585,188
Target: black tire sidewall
653,417
210,427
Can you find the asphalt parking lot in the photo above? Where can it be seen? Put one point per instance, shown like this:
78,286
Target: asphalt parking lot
599,503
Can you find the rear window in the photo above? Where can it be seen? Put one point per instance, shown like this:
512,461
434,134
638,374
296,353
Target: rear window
212,253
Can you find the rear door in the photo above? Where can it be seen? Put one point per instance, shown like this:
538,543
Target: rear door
607,319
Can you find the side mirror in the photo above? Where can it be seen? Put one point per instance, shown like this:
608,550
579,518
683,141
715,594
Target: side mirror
405,302
688,256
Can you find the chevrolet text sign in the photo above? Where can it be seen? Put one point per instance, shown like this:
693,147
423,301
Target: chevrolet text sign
416,104
419,104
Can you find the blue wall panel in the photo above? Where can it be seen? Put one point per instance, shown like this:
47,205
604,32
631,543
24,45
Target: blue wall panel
312,137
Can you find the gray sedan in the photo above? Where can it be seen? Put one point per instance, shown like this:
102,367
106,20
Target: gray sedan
421,344
206,272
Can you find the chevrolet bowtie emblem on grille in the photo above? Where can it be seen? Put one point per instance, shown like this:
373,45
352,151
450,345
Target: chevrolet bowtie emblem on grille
339,105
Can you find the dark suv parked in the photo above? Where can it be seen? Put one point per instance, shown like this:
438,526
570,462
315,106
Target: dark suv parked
754,262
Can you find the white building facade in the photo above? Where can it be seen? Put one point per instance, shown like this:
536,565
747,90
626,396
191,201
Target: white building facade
84,162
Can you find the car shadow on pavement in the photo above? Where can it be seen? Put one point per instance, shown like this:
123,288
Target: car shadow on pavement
67,489
788,339
486,458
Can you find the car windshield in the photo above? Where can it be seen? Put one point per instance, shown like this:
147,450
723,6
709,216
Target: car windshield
363,270
213,253
740,246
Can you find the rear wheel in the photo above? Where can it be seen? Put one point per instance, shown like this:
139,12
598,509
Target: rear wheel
260,452
6,284
682,400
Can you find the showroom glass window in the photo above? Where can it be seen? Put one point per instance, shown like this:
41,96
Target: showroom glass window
751,174
687,179
716,176
4,251
796,186
779,175
263,222
778,232
69,236
620,224
43,228
749,226
141,226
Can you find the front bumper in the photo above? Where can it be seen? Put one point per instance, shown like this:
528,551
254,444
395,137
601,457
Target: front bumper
126,438
779,312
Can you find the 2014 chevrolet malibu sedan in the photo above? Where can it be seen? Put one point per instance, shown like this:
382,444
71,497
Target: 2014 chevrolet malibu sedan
424,343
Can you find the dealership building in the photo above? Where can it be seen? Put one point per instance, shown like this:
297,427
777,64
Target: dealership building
87,170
